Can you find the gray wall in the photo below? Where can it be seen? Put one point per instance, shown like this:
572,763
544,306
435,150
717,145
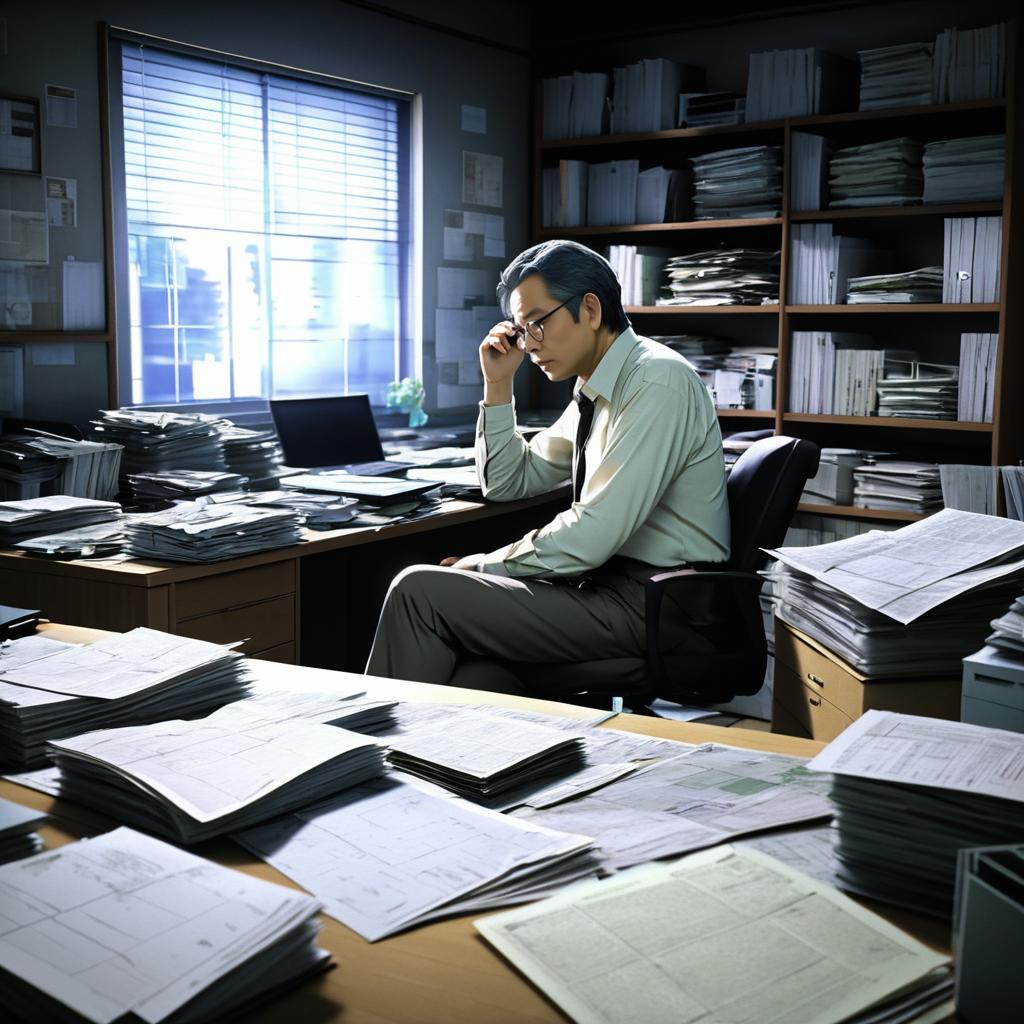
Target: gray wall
56,43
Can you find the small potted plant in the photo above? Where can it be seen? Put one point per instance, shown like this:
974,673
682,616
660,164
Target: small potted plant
406,395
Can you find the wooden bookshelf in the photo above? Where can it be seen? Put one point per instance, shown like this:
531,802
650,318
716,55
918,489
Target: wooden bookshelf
702,310
890,422
993,209
745,414
895,308
635,229
854,512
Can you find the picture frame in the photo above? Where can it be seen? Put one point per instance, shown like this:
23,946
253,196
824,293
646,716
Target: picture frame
20,149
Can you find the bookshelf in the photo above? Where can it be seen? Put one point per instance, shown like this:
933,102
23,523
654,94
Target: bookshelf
915,231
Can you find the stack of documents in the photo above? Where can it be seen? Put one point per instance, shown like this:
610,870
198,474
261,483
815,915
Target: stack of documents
125,927
192,781
183,483
723,277
833,483
49,689
565,194
822,263
896,76
314,511
645,95
27,472
653,189
398,852
477,754
910,793
724,935
903,486
907,602
738,183
972,253
695,346
969,488
964,170
970,65
557,103
1008,630
794,83
738,379
193,532
83,469
1013,490
876,174
810,156
589,107
36,516
640,273
921,285
707,109
612,192
98,541
18,837
156,441
919,390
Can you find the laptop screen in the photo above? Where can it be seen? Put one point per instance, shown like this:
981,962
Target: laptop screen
326,431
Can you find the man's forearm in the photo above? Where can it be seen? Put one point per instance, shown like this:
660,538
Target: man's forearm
497,392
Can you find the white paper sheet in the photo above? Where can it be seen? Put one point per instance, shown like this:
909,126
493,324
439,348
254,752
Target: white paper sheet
84,307
481,179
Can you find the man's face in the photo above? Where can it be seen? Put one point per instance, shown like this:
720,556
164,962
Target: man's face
569,349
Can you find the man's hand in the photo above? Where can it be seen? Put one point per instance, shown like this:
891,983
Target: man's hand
500,356
469,562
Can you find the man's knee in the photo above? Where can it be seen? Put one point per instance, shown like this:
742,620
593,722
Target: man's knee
421,582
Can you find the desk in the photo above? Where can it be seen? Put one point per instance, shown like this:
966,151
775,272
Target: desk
442,973
316,602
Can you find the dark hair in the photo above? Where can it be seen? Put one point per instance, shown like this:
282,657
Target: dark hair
569,270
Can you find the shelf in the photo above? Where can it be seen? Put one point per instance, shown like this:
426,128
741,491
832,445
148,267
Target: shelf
746,414
841,309
676,310
56,336
888,422
669,134
888,212
897,113
853,512
686,225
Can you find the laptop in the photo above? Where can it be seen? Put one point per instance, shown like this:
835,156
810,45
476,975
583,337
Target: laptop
336,433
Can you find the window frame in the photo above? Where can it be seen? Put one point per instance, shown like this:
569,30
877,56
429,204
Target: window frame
253,411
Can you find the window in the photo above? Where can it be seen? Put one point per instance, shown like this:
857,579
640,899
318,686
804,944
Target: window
266,232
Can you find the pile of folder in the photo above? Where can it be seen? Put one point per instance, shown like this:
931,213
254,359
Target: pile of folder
921,285
18,837
822,263
50,689
969,488
833,483
612,192
903,486
255,454
970,64
645,94
886,173
314,511
794,83
575,106
204,944
723,277
1008,630
896,76
738,379
964,170
193,532
972,253
33,466
639,273
707,109
100,540
564,194
36,516
918,390
737,183
180,484
910,793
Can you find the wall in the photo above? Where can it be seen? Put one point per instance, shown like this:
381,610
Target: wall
55,43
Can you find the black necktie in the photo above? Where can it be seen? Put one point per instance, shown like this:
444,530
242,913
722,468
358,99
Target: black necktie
582,433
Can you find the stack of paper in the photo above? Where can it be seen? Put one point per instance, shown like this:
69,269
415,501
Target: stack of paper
921,285
969,488
1008,630
794,83
125,927
836,374
50,689
557,102
896,76
919,390
822,263
18,837
972,256
476,754
876,174
910,793
737,183
653,188
809,171
98,541
640,273
970,65
27,472
723,277
964,170
725,935
1013,490
612,191
588,109
742,379
314,511
157,441
183,483
255,454
565,194
84,469
36,516
906,486
833,483
191,781
396,853
907,602
193,532
645,94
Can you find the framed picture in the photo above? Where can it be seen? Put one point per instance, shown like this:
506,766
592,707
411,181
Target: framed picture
19,135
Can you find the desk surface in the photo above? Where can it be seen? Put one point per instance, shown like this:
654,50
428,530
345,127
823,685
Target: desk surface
443,973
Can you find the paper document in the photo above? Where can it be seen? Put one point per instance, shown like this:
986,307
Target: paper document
724,935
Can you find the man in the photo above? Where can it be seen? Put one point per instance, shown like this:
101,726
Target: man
642,445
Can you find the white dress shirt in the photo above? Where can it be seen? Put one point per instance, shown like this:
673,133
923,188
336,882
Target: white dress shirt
655,476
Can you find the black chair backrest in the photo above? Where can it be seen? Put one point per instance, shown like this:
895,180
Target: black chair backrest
764,490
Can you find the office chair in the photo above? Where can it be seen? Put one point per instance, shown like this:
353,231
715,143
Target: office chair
719,602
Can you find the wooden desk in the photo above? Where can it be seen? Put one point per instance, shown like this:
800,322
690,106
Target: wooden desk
442,973
315,602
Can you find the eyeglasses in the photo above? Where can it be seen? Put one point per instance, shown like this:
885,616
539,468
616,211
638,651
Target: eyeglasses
536,327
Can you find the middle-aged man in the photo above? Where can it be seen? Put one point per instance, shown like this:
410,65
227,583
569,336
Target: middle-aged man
642,445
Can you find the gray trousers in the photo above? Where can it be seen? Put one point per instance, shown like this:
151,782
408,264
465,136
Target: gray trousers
436,617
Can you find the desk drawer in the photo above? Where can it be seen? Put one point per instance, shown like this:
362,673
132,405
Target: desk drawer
232,590
807,667
262,626
816,716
